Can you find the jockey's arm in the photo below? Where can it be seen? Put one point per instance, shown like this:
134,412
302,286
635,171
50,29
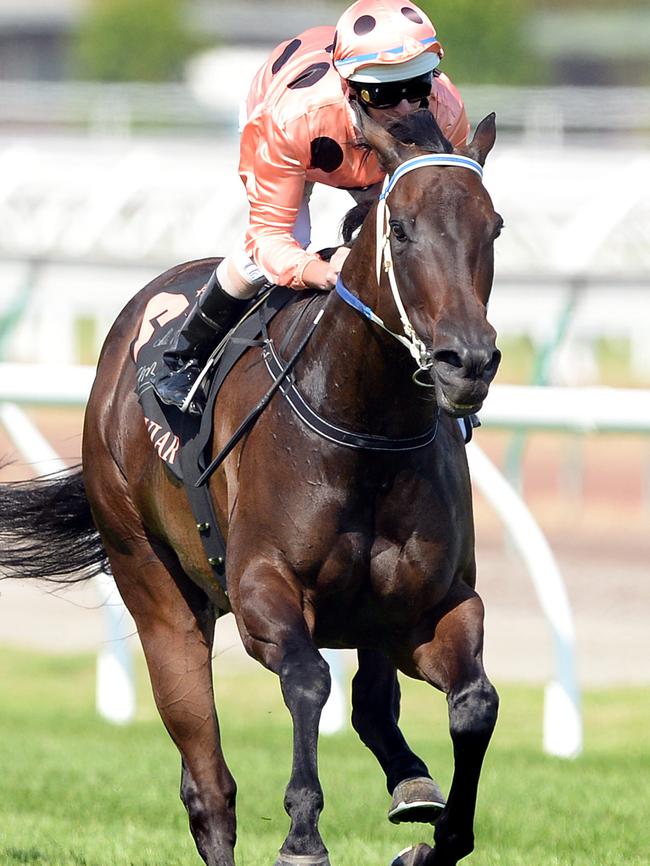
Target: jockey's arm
446,105
275,175
458,131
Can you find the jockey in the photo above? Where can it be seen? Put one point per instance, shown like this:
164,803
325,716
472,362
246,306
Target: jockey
300,130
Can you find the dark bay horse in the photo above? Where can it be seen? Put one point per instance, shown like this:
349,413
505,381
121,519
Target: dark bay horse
328,545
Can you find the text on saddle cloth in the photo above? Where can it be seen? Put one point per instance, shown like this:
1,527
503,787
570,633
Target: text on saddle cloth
162,317
169,429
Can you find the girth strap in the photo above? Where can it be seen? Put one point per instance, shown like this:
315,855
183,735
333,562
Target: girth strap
332,432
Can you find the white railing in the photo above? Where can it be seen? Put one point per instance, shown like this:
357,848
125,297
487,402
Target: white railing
159,201
211,100
588,409
562,715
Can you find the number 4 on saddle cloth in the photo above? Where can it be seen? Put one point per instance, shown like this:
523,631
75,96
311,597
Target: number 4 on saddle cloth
183,440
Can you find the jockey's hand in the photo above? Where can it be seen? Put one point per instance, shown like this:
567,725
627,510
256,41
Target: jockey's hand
322,275
338,258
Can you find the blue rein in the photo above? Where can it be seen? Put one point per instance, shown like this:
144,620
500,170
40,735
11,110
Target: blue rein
355,302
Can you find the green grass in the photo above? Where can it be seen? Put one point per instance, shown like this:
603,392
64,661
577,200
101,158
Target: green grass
75,791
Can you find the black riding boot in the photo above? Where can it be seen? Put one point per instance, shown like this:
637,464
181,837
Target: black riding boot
208,321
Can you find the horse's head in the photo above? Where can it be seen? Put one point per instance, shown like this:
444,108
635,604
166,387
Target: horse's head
442,230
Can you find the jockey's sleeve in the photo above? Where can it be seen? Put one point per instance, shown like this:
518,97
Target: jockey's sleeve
458,132
447,106
274,173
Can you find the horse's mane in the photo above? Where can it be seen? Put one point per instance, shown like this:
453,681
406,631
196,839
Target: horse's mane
418,128
421,129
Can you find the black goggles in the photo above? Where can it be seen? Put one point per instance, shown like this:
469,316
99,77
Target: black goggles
391,93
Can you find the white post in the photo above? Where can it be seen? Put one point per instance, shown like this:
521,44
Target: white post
335,712
562,716
115,695
115,687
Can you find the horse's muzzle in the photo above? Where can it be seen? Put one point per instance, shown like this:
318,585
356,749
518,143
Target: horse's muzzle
462,375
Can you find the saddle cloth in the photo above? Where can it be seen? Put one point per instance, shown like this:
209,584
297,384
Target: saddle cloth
171,430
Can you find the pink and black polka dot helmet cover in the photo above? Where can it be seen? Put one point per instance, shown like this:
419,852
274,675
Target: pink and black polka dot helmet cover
385,40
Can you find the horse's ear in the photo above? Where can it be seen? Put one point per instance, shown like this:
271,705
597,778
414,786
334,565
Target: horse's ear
484,138
386,146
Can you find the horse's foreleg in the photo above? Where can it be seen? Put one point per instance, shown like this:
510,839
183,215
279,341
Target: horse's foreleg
176,625
274,631
375,717
452,661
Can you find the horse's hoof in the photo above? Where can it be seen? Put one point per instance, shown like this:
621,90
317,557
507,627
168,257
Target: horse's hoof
416,800
414,855
302,859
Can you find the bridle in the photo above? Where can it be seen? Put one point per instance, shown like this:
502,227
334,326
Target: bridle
384,257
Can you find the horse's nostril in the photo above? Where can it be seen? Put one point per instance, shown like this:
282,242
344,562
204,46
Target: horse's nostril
493,363
448,356
470,363
484,363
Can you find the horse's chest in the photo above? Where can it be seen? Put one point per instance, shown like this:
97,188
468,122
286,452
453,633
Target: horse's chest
391,557
400,552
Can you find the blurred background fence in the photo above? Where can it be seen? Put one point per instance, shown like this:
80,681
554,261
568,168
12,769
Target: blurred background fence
86,220
534,113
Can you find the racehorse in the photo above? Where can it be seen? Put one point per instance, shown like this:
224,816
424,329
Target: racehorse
328,545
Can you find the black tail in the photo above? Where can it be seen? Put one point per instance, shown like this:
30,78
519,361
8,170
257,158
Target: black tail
47,531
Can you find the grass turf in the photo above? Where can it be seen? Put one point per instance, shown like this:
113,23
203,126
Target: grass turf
75,791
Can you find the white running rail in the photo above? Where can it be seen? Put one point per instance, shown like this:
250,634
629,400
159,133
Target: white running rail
562,714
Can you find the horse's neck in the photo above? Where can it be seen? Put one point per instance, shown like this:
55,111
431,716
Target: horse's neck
357,375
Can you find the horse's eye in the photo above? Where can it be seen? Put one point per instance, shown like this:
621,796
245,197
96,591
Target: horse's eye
398,230
498,228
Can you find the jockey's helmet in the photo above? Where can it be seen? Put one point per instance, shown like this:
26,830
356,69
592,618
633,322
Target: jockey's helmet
379,41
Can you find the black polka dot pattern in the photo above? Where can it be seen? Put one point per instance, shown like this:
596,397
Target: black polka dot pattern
364,25
310,76
411,14
291,49
326,154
